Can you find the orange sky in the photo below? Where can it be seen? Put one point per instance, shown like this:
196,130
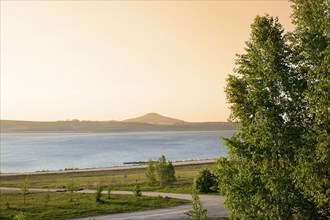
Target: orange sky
103,60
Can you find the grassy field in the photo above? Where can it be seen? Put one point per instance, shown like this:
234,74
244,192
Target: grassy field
59,205
117,179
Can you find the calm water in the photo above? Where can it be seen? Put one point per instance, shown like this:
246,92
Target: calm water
33,152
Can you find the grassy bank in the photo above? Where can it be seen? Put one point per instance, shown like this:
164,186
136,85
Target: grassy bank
55,205
117,179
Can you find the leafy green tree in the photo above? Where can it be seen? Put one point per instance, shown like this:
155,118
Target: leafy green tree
205,181
198,212
150,173
279,159
161,169
165,172
311,47
171,172
262,153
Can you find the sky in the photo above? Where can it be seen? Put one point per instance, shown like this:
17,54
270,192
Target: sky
113,60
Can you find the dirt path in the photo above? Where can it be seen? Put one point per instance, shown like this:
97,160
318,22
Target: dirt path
213,203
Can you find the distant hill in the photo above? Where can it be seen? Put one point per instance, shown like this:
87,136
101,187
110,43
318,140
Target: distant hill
154,118
149,122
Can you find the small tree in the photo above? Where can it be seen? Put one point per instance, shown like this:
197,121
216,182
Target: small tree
165,172
205,181
25,189
47,198
137,190
150,173
109,192
161,169
198,212
98,194
7,203
71,187
170,173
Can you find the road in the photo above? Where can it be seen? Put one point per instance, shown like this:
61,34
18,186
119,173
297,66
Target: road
213,203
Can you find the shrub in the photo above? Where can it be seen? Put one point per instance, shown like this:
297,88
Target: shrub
71,187
20,216
198,212
98,194
137,190
205,181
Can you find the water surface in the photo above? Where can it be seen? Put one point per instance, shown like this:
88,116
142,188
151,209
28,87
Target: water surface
21,152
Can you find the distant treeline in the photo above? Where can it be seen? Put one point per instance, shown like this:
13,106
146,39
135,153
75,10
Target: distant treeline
10,126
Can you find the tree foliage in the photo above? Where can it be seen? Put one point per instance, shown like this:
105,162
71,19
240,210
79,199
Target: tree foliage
20,216
198,212
25,189
165,172
279,95
311,42
71,187
150,173
98,193
137,190
205,181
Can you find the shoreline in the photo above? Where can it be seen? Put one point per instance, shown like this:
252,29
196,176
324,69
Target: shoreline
176,163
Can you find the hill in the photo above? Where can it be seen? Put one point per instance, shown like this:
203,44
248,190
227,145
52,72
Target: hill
149,122
154,118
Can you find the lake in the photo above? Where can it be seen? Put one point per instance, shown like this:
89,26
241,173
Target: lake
28,152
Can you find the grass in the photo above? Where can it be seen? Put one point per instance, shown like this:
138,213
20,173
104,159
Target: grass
59,205
117,179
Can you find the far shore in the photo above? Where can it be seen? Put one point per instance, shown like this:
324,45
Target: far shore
177,163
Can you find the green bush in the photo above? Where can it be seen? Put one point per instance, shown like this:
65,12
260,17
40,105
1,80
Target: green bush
20,216
98,194
198,212
205,181
137,190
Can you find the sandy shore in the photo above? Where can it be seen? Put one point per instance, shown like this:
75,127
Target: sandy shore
179,163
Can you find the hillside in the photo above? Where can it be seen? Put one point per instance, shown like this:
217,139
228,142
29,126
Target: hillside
75,126
148,122
154,118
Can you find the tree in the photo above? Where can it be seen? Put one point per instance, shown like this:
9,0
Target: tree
109,192
198,212
98,193
279,96
25,189
165,172
150,173
71,187
137,190
47,198
170,173
262,94
205,181
311,46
